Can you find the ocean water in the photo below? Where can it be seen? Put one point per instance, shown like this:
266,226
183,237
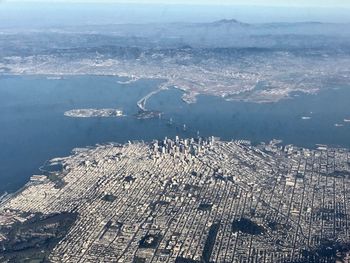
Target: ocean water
33,127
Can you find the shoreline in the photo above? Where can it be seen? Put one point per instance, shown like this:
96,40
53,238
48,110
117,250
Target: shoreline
189,96
75,151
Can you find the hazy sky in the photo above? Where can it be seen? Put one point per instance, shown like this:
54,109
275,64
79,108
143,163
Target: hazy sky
294,3
23,13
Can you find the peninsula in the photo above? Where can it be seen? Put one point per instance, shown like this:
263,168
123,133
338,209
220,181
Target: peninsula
184,200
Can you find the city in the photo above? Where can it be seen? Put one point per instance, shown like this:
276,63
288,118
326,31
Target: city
181,131
193,200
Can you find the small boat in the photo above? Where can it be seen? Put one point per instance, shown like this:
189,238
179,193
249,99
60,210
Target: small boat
305,118
170,122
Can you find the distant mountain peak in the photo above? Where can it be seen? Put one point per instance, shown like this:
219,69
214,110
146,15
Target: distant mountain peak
228,22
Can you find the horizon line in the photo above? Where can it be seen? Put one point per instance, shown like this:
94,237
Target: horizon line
225,4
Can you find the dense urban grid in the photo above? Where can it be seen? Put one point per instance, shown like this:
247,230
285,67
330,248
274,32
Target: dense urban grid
186,200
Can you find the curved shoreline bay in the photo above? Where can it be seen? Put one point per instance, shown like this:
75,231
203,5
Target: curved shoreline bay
35,129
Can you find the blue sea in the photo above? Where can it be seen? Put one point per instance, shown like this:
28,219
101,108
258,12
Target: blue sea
33,127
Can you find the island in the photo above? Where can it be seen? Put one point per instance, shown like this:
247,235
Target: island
89,113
